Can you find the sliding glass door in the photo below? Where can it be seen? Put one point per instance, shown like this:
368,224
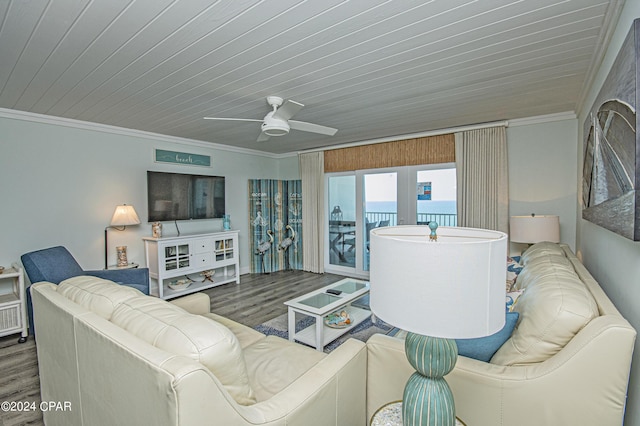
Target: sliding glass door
380,206
341,221
436,196
357,202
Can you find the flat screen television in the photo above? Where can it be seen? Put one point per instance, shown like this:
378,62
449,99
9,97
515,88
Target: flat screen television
177,196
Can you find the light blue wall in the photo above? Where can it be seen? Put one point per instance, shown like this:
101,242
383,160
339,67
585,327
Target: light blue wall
59,185
288,168
62,183
542,171
613,260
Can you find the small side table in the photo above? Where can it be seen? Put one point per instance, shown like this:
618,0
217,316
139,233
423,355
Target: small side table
391,415
131,265
13,315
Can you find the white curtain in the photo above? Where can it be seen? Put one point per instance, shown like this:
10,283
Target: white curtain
482,175
311,167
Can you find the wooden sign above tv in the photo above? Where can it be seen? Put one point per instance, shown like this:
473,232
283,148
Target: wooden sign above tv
174,157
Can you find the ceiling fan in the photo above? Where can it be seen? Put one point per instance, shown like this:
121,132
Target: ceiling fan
278,123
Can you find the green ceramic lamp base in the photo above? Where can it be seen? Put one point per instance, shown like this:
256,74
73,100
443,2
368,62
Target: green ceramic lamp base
427,397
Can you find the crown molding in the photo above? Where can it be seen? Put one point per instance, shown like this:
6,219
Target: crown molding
539,119
105,128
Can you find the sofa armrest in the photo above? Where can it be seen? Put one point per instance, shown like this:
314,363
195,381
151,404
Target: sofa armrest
594,365
137,278
387,371
332,389
196,303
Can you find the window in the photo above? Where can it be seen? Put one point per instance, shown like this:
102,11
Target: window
360,201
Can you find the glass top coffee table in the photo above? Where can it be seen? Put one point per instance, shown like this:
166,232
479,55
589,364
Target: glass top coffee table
319,304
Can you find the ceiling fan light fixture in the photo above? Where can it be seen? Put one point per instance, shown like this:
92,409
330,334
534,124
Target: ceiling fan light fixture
274,130
274,126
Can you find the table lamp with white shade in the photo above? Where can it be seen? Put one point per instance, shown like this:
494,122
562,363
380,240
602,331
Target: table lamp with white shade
534,228
123,216
438,288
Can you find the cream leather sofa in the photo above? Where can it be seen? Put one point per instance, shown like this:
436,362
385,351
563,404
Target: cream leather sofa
113,356
566,363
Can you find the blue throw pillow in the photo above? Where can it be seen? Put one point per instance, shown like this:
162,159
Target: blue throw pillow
483,348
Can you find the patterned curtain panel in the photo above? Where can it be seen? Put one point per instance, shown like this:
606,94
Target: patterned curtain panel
275,222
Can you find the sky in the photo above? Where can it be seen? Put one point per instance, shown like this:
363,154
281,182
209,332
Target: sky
383,186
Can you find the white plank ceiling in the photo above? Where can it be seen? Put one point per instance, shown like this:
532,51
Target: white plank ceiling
369,68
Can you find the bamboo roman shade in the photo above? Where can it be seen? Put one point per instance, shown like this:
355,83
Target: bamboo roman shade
407,152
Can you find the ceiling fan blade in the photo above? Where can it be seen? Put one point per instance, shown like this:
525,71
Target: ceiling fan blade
263,137
287,110
232,119
313,128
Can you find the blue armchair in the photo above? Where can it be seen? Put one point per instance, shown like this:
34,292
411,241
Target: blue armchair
56,264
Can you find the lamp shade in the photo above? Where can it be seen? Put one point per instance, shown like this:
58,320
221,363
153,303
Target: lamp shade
450,288
124,216
534,229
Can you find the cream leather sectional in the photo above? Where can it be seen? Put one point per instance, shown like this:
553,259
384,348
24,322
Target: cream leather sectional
567,361
121,358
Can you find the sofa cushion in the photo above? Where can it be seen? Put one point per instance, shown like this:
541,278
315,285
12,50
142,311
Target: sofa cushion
245,335
540,250
541,267
174,330
274,363
554,307
96,294
483,348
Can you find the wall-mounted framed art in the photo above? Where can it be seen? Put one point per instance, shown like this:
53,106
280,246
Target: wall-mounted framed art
611,172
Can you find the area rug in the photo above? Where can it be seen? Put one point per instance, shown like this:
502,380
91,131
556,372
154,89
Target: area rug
364,330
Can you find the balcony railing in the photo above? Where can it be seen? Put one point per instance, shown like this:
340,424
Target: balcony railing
390,219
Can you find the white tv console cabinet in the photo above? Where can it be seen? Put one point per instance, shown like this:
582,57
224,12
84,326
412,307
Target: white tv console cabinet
171,259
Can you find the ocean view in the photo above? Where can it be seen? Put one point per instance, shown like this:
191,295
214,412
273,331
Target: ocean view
439,207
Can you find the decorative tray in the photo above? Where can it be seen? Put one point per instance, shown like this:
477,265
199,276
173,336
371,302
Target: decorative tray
179,284
338,320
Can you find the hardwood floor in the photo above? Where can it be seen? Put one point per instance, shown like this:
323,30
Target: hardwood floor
258,298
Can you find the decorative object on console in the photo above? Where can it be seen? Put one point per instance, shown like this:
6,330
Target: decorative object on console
226,222
156,230
413,279
208,275
180,284
534,229
123,216
122,256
